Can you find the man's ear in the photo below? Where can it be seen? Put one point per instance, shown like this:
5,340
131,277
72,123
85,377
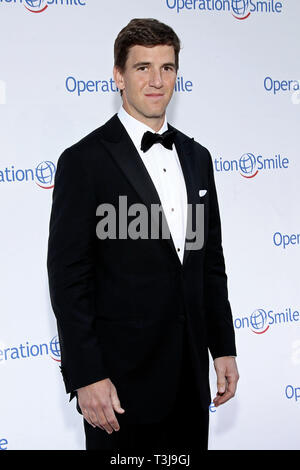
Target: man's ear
119,79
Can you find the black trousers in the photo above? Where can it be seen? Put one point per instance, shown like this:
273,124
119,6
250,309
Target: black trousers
184,429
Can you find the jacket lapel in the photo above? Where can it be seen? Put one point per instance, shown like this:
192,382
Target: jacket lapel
184,148
123,151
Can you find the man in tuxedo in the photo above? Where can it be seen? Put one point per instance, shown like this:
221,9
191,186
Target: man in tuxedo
137,315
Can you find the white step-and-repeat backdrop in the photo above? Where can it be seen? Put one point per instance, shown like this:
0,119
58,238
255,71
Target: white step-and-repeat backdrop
238,93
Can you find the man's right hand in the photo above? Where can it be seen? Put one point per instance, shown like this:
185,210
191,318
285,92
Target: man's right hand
98,403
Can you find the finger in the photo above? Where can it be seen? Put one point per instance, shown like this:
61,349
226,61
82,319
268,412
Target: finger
93,420
102,420
111,417
230,392
87,418
89,421
116,402
219,400
232,384
221,381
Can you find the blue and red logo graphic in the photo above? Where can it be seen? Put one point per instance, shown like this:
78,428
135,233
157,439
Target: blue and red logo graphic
247,164
240,9
258,321
36,6
44,174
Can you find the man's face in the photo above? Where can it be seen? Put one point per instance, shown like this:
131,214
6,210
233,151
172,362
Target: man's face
148,81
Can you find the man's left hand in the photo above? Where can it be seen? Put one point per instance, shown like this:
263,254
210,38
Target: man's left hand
227,378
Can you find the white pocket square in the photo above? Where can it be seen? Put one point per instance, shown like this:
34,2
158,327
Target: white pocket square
202,192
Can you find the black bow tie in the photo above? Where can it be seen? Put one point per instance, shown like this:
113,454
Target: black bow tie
166,139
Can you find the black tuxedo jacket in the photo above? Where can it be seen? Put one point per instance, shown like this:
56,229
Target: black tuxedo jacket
121,304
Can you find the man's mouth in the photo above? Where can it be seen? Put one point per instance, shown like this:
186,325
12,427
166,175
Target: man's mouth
154,95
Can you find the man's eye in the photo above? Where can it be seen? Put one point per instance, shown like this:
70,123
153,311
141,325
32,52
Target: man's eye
142,68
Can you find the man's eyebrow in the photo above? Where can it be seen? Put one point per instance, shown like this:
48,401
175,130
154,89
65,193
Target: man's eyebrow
143,64
169,64
140,64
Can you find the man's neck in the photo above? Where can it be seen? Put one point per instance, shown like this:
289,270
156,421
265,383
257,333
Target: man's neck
154,123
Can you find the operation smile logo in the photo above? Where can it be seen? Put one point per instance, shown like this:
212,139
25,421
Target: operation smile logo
42,175
260,320
27,350
39,6
249,165
239,9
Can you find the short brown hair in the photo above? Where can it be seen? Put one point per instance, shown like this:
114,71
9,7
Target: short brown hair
146,32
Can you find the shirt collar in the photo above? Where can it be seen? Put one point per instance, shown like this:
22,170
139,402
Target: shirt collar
136,128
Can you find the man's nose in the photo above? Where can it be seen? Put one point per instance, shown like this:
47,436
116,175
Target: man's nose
155,79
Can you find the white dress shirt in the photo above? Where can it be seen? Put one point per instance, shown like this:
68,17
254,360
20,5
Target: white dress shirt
165,171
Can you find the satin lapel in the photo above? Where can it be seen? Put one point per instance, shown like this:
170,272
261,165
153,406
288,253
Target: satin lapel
123,151
184,146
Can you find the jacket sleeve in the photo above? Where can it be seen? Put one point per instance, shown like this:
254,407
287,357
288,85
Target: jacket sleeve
71,269
221,337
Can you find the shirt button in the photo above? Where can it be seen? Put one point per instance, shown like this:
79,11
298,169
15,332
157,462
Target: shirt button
178,249
172,209
164,169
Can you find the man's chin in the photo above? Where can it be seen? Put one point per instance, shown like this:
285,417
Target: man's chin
154,114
